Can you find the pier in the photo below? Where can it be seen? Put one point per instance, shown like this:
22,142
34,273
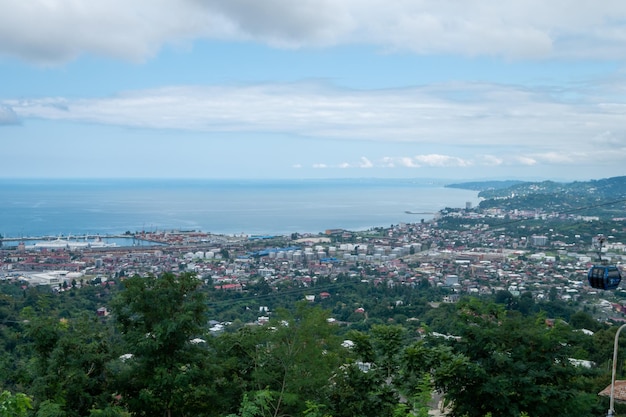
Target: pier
69,237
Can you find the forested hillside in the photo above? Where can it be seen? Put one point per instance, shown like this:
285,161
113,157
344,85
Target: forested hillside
604,197
154,354
485,185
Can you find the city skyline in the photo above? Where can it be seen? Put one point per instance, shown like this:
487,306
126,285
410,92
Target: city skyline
312,89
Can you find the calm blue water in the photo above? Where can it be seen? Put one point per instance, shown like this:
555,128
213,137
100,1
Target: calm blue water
74,207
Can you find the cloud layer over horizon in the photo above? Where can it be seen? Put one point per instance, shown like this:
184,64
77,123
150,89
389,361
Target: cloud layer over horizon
314,86
495,124
137,30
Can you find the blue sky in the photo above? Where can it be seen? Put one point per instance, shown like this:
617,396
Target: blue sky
313,89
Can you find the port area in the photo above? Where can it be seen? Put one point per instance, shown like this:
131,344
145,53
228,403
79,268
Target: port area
125,240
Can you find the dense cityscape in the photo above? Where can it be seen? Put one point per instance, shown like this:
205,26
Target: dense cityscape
457,250
475,260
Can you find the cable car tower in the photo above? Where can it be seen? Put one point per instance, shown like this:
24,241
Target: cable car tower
602,275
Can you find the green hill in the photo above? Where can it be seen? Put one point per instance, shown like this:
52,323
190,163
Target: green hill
604,197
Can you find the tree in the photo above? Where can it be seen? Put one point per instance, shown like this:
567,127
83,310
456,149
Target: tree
80,360
305,350
67,372
372,384
507,364
505,298
360,392
50,409
526,303
291,359
417,405
14,405
388,342
582,320
159,317
552,294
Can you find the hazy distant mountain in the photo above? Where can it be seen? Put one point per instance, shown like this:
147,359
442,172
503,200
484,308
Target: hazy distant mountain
605,188
595,197
485,185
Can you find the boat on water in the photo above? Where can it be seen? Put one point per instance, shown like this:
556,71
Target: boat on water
68,243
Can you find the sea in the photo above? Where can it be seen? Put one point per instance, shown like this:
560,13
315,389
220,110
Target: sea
46,207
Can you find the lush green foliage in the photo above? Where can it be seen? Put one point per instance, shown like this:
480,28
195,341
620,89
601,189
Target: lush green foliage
14,405
154,354
513,364
159,318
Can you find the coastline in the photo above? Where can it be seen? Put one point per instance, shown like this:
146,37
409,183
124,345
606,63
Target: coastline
228,207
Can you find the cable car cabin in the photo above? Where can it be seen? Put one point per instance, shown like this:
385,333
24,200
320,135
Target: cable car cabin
604,277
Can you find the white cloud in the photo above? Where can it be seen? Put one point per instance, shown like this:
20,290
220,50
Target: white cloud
575,157
608,138
428,161
556,157
55,31
517,125
365,163
285,23
436,160
7,116
407,162
496,116
388,162
524,160
491,160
